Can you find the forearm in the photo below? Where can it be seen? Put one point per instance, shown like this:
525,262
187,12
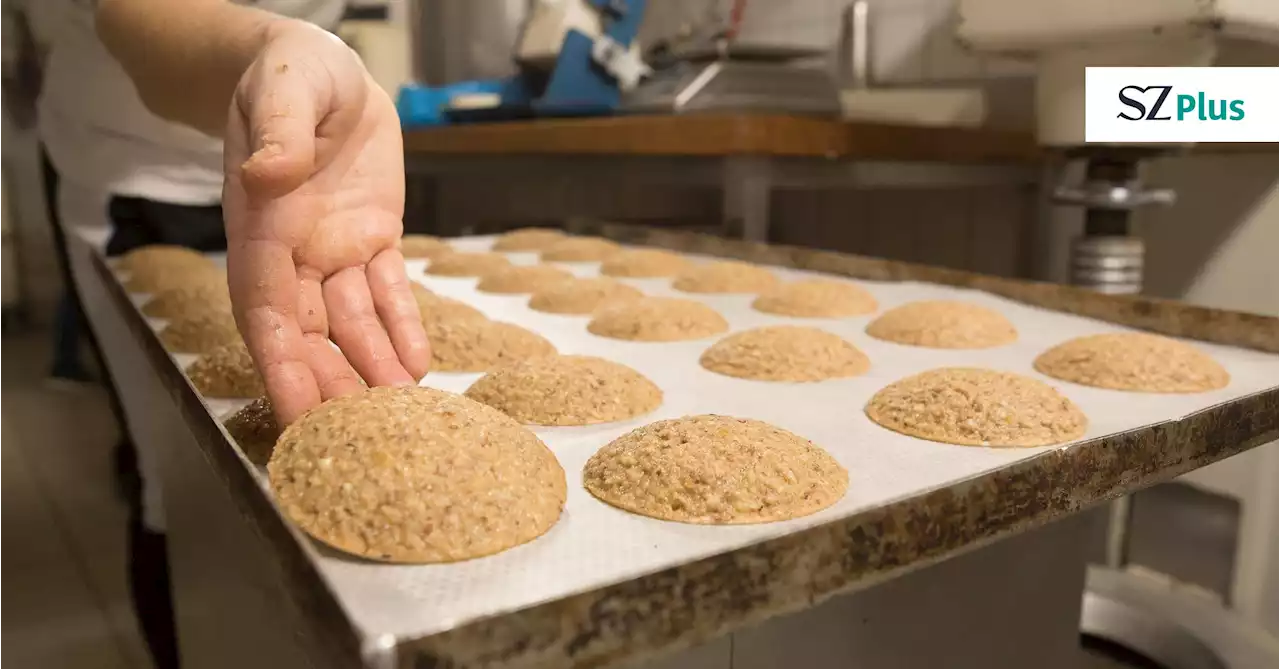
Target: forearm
186,56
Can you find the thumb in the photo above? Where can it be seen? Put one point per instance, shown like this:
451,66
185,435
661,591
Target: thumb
280,107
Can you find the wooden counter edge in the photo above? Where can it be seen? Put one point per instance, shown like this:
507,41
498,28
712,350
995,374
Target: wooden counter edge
724,135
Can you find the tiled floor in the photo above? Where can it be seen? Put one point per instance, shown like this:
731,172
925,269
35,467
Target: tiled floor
65,599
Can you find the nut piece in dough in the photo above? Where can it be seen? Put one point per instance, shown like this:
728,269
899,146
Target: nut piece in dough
520,279
816,298
473,345
580,249
200,332
415,475
255,430
195,297
977,407
943,324
715,470
466,264
567,390
785,353
725,276
657,319
527,239
582,296
645,263
1133,361
423,246
226,371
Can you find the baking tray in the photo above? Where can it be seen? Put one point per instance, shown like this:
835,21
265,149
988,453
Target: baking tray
574,595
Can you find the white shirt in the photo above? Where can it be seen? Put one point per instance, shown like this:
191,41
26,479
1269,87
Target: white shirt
98,133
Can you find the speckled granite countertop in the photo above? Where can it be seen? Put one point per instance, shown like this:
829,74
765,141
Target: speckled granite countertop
686,604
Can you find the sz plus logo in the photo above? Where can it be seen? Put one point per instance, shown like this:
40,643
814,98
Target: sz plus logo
1181,105
1147,103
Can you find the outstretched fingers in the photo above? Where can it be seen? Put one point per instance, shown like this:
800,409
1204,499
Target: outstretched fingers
398,310
264,289
356,329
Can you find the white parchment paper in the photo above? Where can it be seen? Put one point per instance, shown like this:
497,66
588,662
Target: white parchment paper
594,545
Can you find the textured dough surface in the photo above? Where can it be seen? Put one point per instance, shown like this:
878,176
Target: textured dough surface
977,407
567,390
580,249
415,475
201,295
657,319
725,276
200,332
474,345
1133,361
157,277
163,255
255,430
785,353
226,371
423,246
527,239
522,279
582,296
466,264
645,263
816,298
438,308
943,324
715,470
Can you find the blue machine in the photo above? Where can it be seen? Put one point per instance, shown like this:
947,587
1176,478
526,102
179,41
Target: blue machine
586,79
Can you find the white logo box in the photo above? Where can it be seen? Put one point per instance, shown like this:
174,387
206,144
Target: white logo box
1153,105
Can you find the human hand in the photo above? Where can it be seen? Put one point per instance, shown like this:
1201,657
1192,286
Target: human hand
313,201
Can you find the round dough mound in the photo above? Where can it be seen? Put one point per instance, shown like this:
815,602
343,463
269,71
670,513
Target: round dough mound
162,254
785,353
197,297
226,371
423,246
715,470
420,292
1133,361
160,277
657,319
726,276
582,296
977,407
816,298
200,332
441,309
415,475
522,279
567,390
645,263
943,324
438,308
467,264
580,249
473,345
255,430
527,239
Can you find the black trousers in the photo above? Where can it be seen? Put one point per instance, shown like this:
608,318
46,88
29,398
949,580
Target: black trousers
138,222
